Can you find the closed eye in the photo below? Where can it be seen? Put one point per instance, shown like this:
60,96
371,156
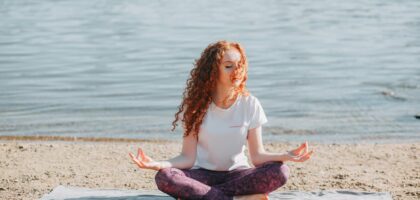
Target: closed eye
229,66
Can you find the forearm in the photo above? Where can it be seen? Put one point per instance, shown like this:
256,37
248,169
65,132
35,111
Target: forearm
180,162
268,156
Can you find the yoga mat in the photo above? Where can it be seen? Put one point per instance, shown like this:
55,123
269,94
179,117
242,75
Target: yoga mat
80,193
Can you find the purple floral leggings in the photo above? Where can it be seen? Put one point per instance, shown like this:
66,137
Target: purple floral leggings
207,184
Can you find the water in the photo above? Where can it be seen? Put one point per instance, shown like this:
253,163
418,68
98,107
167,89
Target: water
324,71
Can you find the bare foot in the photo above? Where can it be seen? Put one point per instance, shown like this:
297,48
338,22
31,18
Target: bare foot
251,197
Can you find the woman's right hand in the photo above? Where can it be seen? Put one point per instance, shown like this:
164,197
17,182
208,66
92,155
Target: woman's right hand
144,161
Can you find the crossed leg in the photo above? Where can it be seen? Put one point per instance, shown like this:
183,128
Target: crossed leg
207,184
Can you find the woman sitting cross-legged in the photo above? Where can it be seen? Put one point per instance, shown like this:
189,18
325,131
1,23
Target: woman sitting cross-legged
220,117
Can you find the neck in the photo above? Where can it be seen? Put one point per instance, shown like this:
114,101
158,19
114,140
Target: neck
222,92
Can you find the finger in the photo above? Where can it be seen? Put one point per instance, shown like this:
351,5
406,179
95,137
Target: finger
299,150
145,157
294,152
138,162
306,148
132,157
307,156
135,159
139,154
304,145
302,158
142,164
142,154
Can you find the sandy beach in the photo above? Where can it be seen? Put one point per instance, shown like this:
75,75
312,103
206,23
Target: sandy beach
32,167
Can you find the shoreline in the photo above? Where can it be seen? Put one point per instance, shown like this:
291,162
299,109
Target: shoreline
32,168
4,138
75,139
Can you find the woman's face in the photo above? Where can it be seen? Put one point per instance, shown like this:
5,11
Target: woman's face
230,61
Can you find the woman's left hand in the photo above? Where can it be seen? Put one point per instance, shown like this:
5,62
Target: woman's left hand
300,154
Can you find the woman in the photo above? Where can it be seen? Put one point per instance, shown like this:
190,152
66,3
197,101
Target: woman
219,116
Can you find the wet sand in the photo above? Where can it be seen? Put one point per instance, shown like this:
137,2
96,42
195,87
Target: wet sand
31,167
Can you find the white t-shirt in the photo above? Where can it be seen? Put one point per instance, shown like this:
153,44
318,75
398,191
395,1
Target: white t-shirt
223,134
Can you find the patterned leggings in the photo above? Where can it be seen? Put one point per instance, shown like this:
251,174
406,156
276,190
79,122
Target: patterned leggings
207,184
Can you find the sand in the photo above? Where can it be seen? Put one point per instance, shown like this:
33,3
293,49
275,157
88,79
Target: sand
31,168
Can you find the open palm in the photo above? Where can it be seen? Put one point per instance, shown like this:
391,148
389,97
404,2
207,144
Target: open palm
144,161
300,154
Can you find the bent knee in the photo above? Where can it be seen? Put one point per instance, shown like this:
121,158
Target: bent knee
163,178
285,171
282,170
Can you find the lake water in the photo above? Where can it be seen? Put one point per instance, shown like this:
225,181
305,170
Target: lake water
323,71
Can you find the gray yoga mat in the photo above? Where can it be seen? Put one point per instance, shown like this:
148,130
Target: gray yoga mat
80,193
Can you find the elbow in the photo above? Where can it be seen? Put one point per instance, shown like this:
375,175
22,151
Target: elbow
258,159
190,161
255,161
190,166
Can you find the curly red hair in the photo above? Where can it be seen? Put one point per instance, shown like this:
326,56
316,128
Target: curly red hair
197,95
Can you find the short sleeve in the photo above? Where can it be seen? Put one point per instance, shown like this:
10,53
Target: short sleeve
258,115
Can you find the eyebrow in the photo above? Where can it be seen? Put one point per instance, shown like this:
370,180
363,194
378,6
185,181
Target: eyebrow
228,61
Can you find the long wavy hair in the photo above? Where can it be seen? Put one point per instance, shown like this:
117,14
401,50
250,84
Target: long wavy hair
197,95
